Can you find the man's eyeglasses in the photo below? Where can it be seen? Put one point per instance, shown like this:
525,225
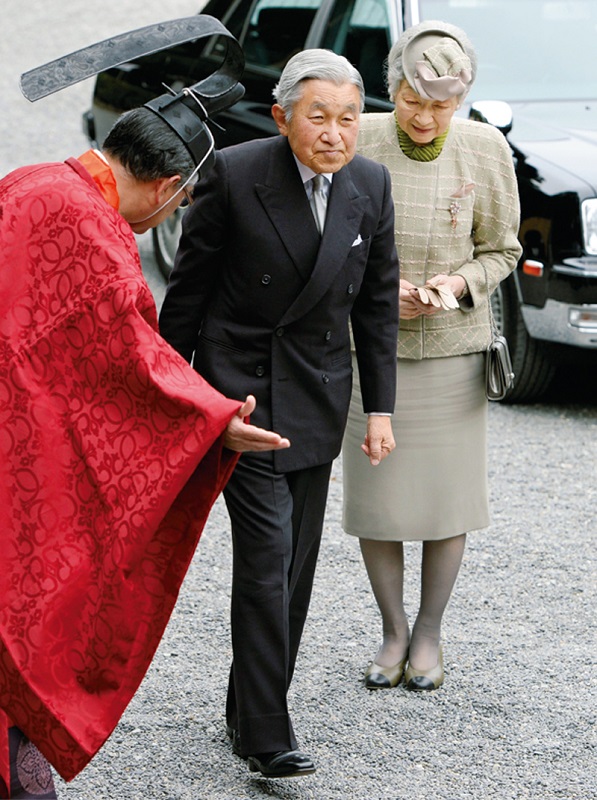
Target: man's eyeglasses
188,196
187,187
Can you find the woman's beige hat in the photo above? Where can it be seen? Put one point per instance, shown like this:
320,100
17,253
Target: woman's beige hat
436,66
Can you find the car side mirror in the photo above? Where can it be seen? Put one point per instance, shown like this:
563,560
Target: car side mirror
495,112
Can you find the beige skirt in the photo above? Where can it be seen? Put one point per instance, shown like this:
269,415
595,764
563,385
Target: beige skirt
434,484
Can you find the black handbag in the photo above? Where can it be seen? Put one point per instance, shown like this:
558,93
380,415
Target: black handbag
499,375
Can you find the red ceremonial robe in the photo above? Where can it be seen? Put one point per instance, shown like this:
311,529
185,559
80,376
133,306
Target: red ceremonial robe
110,459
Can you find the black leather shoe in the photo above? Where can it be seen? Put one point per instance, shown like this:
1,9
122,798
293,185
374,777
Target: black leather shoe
285,764
234,737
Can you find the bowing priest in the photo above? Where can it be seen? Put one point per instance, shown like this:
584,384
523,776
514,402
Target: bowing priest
112,449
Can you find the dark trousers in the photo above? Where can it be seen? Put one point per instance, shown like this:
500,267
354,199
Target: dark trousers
276,522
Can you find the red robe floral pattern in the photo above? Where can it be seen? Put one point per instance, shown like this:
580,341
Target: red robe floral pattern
110,459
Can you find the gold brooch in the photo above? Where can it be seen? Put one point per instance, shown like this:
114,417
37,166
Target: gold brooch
464,191
454,209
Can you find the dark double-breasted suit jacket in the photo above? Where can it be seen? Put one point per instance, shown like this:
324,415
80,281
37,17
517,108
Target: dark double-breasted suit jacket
264,302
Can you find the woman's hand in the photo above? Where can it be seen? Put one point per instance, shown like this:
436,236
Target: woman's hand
455,283
410,304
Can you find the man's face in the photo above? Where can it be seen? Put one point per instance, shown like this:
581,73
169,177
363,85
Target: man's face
165,199
324,125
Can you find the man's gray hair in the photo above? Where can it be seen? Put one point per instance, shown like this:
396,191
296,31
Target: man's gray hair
395,68
315,64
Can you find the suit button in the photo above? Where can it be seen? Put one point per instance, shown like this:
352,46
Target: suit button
328,336
280,332
260,372
265,279
325,378
350,288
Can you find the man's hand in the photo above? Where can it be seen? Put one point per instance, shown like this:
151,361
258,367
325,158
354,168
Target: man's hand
242,437
379,440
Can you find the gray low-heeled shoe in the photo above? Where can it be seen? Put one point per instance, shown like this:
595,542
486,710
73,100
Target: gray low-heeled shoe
378,677
425,680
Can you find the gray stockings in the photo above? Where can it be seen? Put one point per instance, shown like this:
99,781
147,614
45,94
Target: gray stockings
440,564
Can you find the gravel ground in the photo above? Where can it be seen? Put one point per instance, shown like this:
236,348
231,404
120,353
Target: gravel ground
516,715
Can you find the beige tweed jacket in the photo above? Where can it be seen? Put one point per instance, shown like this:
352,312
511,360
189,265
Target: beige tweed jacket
477,239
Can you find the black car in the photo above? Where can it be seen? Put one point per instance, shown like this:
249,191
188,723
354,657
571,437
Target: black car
536,82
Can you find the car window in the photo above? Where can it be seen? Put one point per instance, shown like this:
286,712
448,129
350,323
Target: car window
360,30
276,30
531,50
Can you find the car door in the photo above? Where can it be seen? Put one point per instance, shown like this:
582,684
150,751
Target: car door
363,31
271,31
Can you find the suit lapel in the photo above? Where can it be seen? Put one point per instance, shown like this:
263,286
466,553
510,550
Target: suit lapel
317,259
285,202
345,211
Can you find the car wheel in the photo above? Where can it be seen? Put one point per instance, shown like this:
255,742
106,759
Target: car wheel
165,241
533,369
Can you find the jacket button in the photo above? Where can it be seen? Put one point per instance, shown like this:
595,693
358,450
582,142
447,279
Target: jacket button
280,332
328,336
325,378
350,288
260,372
265,279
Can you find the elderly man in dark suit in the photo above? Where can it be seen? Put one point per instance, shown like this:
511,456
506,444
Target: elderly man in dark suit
261,300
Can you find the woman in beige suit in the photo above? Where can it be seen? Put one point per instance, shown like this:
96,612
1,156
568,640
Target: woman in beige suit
457,216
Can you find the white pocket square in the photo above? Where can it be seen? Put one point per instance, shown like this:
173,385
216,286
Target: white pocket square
357,241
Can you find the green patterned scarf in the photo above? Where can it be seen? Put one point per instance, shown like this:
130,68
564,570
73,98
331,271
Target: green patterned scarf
420,152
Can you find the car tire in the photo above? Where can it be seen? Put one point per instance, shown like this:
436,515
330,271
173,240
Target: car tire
533,369
165,241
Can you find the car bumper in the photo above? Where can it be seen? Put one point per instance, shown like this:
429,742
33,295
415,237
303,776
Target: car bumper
564,323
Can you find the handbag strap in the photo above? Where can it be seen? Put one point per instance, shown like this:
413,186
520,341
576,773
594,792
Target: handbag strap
492,323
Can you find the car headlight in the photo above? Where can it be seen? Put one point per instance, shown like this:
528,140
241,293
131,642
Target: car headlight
589,225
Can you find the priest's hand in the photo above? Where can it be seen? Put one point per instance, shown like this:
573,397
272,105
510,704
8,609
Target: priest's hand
241,436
